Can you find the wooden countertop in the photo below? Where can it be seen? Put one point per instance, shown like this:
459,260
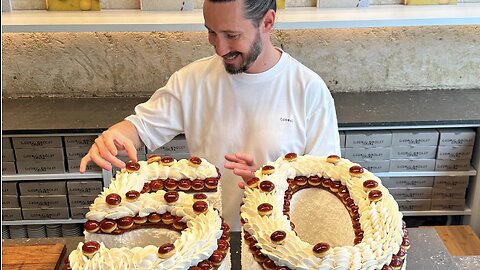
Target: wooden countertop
460,240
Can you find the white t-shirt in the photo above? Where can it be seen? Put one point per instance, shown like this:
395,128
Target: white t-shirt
287,108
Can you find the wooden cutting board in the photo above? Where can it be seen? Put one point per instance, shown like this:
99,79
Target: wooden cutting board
38,257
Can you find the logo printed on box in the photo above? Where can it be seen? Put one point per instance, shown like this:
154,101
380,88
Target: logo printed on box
50,201
412,141
43,188
368,155
412,167
79,141
40,168
411,154
28,167
368,142
84,187
46,213
37,142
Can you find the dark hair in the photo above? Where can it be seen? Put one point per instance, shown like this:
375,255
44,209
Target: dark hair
254,9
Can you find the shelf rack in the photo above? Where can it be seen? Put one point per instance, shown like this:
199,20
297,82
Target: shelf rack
471,172
287,19
43,222
35,177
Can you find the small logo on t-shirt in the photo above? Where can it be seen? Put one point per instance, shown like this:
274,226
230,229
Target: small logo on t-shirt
285,119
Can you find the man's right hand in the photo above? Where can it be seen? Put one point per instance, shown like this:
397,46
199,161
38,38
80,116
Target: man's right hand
106,147
242,164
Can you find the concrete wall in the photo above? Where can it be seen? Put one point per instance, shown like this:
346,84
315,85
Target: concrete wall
136,64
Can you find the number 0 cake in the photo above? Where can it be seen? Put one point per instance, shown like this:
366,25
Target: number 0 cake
310,212
157,214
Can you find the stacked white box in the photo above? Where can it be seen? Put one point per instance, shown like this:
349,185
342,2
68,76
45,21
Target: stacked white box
10,201
39,155
450,204
8,157
460,152
10,207
417,137
11,214
44,200
457,136
47,201
412,165
371,149
455,149
81,194
449,192
9,188
415,193
451,181
413,151
408,181
414,205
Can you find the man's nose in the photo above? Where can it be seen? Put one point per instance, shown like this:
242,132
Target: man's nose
221,47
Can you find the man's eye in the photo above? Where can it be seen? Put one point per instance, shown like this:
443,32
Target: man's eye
232,36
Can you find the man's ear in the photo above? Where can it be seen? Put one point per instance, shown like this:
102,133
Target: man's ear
269,20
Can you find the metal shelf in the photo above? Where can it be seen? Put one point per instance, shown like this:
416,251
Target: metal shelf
35,177
288,19
471,172
466,212
43,222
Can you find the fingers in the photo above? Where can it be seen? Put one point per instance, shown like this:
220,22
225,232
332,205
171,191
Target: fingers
241,185
131,150
83,163
100,162
232,158
95,156
241,164
241,158
246,158
245,174
100,153
103,152
234,165
110,147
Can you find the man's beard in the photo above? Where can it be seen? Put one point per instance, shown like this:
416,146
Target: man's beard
250,57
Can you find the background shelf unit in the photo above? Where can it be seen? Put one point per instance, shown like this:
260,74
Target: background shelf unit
35,177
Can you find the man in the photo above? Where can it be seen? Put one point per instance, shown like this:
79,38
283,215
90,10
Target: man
250,99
